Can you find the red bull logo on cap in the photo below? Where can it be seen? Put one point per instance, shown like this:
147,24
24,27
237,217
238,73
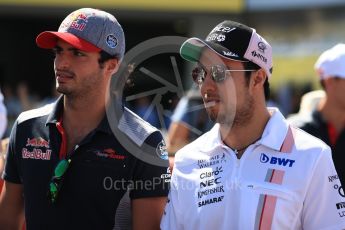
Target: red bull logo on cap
76,20
79,22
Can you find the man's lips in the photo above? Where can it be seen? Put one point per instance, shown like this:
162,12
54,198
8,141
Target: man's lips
211,102
63,76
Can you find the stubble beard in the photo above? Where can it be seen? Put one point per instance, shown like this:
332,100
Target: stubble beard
231,118
83,88
245,113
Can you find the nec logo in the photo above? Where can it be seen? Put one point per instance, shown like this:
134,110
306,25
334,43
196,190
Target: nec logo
211,182
276,160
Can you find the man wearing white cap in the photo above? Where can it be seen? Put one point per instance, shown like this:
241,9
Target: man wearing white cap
327,122
66,168
252,170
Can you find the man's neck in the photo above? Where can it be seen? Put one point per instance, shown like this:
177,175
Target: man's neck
240,136
333,114
80,117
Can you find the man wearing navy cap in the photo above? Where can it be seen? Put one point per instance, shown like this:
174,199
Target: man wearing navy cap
251,170
66,168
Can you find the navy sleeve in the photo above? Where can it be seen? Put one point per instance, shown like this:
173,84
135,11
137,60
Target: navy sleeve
151,179
11,172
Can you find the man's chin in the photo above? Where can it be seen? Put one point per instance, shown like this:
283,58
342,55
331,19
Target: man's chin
62,90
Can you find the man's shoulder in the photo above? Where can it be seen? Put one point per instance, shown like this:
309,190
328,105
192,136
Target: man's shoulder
35,113
191,152
306,142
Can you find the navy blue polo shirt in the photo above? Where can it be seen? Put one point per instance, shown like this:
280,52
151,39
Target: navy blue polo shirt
102,172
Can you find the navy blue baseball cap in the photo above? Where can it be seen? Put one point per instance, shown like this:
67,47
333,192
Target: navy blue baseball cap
89,30
234,41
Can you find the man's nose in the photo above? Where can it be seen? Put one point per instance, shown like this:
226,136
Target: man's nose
209,84
62,61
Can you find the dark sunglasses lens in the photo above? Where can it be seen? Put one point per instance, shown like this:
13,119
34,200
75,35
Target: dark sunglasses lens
218,73
198,75
53,188
56,181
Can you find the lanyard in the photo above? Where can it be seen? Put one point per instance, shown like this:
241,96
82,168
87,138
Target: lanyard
63,147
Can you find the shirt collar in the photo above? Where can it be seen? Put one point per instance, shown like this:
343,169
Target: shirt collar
57,111
104,126
210,140
275,131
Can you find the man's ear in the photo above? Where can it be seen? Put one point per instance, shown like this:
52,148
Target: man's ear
259,78
112,66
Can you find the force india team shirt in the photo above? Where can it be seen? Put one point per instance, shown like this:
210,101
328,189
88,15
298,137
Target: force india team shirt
286,180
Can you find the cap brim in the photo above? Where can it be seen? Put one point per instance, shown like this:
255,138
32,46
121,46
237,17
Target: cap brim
192,48
48,40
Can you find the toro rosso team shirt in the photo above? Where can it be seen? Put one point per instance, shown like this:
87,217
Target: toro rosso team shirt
102,177
286,180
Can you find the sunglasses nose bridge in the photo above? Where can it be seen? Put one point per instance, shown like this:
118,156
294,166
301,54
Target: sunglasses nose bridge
207,77
208,85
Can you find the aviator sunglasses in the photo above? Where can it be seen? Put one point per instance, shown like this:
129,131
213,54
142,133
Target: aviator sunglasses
56,181
218,73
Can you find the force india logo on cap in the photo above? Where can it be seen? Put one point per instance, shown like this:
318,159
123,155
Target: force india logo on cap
262,47
259,53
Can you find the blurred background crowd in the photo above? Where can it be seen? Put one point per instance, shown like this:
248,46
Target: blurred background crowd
298,30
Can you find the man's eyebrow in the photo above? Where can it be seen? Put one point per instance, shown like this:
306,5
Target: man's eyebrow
69,49
74,49
57,47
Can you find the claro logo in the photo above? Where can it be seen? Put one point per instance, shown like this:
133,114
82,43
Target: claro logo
276,160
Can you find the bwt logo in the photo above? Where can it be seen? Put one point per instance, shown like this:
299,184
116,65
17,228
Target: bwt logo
340,205
276,160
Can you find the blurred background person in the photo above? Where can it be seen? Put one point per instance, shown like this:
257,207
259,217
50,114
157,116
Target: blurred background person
3,124
188,122
146,110
327,121
309,103
17,99
13,106
3,117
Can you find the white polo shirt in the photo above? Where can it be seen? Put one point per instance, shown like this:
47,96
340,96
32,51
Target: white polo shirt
286,180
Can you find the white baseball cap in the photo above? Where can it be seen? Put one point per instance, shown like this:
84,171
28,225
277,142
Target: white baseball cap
331,63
